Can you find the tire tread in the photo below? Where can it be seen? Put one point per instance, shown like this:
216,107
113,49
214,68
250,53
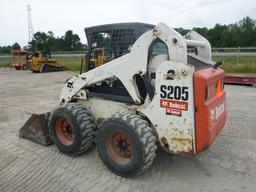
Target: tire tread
86,126
145,134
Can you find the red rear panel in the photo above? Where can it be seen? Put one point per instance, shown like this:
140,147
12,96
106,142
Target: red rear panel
210,106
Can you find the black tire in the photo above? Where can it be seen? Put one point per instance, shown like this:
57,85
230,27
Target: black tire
42,68
48,68
82,129
17,67
24,67
141,138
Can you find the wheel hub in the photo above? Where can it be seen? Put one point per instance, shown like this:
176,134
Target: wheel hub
119,147
64,131
122,145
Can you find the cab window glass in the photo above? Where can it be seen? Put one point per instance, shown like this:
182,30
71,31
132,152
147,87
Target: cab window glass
159,48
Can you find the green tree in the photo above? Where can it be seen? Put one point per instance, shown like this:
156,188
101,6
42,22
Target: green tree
5,49
16,46
182,31
248,32
39,42
42,41
72,41
241,33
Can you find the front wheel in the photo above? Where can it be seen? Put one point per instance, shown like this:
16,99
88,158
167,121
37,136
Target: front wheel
72,129
126,144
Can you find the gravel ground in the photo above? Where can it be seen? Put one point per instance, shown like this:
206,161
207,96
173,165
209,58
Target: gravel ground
229,164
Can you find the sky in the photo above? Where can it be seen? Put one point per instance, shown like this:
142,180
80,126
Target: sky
59,16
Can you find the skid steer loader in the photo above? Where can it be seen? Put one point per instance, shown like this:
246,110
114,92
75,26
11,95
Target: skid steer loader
157,94
42,62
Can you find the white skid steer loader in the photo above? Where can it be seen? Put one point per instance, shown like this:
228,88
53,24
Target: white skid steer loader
158,94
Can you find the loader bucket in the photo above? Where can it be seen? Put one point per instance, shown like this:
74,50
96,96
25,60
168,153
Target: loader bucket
36,129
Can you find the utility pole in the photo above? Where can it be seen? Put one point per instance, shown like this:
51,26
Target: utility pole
30,26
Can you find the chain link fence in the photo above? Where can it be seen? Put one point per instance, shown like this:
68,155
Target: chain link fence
239,55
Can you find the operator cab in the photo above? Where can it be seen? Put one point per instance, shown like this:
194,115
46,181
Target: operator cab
108,42
46,55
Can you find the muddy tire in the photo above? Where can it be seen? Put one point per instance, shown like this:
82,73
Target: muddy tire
126,144
72,129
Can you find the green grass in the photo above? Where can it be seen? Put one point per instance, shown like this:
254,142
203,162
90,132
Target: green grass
4,61
247,64
73,63
239,68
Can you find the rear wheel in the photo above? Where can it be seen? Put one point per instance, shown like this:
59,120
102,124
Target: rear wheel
126,144
72,129
24,67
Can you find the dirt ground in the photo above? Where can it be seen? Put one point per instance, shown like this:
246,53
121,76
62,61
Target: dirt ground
229,164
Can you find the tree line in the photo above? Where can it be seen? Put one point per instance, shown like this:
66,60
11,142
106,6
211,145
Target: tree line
42,41
8,48
47,42
239,34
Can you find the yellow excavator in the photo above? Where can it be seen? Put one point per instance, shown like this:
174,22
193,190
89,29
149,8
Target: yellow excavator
41,61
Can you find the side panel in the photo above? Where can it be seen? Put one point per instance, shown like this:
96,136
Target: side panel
35,64
172,108
103,109
210,105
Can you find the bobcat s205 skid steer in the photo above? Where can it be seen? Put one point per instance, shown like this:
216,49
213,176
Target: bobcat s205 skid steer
160,93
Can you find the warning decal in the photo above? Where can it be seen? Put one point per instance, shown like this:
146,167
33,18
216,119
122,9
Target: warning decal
173,112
